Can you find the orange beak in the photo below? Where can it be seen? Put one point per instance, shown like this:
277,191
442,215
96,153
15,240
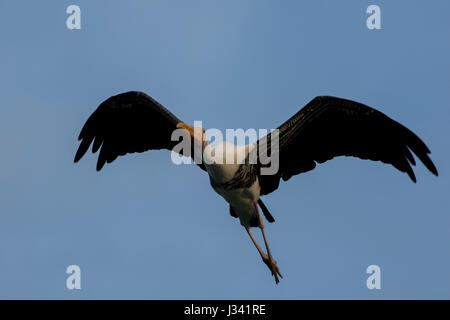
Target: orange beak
195,132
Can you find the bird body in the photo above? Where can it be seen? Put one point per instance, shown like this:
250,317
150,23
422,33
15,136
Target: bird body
241,197
325,128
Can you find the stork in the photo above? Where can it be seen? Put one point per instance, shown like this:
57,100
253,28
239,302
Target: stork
325,128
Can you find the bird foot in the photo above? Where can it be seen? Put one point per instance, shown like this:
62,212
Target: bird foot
272,265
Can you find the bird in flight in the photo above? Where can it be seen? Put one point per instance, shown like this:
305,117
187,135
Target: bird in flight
325,128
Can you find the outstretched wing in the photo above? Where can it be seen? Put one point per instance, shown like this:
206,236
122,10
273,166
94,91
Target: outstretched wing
126,123
328,127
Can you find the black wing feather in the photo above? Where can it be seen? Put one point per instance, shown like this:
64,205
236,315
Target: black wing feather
328,127
126,123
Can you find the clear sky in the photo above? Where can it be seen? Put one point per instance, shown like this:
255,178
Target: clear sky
145,228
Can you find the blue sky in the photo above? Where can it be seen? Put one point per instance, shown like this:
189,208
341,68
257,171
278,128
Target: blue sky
145,228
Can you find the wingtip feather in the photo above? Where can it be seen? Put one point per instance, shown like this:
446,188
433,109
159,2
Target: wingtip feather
84,145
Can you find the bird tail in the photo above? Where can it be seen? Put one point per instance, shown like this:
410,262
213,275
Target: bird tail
266,212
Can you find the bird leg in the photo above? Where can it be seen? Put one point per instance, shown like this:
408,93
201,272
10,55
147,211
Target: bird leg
267,258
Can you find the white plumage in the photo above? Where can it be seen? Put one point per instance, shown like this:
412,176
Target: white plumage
222,161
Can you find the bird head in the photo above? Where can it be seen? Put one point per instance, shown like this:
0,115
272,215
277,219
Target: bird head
197,133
